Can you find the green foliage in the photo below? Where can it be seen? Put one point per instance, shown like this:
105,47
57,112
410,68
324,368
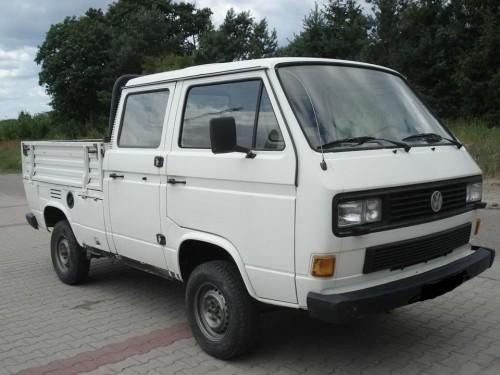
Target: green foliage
81,57
26,126
482,142
48,126
167,63
348,28
340,31
73,60
477,72
239,37
10,156
311,40
448,49
414,37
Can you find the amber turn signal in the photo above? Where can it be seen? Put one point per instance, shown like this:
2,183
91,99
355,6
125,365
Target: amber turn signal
323,265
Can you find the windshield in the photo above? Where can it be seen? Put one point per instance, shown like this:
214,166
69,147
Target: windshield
336,104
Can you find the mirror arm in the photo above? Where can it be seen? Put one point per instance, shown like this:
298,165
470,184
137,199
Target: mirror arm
250,153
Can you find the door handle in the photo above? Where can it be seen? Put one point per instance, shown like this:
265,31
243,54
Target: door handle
114,175
173,181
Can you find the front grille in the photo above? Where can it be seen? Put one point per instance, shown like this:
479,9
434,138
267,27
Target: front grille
403,206
406,253
416,204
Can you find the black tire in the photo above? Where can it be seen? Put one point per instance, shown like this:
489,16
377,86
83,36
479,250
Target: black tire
68,258
222,315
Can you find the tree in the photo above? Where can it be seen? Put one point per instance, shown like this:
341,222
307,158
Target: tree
154,28
73,59
418,38
238,38
348,29
385,37
81,57
427,53
340,31
477,72
311,40
167,63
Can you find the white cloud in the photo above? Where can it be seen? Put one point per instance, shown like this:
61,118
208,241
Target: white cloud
23,25
19,88
13,55
4,73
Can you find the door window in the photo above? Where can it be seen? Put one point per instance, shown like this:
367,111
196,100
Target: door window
143,117
246,101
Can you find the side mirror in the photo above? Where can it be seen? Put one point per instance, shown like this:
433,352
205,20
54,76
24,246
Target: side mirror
223,137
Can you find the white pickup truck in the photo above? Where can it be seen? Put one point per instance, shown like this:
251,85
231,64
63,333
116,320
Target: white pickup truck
313,184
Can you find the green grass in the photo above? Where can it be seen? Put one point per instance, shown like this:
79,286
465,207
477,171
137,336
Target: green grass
10,156
483,144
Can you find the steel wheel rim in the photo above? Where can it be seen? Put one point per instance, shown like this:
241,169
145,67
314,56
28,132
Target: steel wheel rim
211,312
63,254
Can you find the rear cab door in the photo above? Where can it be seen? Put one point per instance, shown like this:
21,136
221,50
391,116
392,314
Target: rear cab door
133,173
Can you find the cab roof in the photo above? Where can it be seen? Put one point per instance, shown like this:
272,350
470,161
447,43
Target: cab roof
237,66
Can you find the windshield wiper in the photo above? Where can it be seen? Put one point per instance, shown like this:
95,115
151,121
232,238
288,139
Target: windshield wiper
432,138
361,140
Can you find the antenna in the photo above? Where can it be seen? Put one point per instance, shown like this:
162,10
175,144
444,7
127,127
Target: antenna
323,163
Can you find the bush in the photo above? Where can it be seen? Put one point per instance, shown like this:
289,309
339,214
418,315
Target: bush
49,126
10,156
482,142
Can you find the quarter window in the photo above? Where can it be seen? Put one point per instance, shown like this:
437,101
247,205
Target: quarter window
143,119
246,101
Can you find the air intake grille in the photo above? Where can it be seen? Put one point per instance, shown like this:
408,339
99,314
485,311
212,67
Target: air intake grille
55,193
406,253
416,204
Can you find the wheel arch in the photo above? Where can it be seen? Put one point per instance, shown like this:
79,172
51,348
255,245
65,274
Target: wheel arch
201,248
54,213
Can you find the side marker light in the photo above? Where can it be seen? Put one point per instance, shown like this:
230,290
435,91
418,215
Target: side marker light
478,225
323,265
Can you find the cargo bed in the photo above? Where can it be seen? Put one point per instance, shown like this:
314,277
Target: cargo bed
68,163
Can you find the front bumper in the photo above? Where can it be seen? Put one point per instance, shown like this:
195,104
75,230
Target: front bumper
338,308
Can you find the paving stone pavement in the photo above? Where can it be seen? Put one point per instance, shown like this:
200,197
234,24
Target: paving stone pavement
123,321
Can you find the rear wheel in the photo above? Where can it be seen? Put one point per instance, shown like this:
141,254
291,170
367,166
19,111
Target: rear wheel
220,311
68,258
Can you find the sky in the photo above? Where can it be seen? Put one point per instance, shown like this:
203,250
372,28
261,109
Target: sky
24,23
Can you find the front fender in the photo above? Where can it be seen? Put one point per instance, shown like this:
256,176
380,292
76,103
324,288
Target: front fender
223,244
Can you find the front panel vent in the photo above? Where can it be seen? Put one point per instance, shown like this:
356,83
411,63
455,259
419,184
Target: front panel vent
409,252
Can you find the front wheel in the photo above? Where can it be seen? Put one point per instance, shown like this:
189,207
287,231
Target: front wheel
68,258
222,315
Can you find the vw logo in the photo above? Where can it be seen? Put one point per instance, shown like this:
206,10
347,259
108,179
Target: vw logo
436,201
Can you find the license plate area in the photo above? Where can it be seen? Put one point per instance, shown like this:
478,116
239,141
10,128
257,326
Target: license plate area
433,290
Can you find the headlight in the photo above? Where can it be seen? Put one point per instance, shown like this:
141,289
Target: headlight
474,192
359,212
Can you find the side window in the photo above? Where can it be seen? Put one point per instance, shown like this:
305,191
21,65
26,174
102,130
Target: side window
246,101
268,135
143,118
